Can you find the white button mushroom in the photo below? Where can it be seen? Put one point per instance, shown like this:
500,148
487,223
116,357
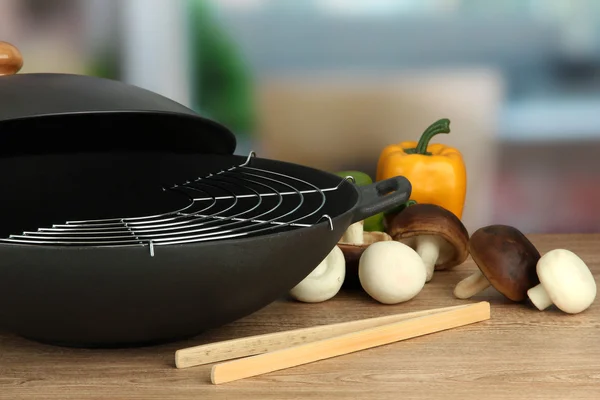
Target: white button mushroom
325,281
353,251
565,281
391,272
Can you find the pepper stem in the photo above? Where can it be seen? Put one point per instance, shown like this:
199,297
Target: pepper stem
401,207
439,126
410,203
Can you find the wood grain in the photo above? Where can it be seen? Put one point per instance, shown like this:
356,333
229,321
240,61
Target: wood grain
259,344
349,343
520,353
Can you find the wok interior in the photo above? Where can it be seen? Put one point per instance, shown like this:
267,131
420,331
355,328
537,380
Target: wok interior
42,190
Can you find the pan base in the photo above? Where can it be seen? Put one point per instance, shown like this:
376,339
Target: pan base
109,346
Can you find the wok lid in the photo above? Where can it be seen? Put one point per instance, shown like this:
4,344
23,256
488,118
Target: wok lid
43,113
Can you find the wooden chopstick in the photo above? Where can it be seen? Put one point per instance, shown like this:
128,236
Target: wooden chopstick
258,344
348,343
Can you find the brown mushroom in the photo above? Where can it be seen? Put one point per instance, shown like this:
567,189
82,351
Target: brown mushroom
507,261
353,252
435,233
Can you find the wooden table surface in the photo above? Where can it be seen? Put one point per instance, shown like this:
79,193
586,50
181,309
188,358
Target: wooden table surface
520,353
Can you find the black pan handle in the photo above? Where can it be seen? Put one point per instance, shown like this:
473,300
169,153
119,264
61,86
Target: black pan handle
382,196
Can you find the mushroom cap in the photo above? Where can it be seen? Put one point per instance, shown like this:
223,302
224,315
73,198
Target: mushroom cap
431,219
391,272
324,282
567,280
507,259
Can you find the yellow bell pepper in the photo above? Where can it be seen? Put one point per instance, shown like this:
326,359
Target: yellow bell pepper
437,172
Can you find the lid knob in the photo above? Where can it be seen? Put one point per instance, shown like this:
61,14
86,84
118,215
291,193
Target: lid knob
11,59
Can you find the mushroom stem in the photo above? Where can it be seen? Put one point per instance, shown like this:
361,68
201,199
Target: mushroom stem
354,234
471,285
539,297
428,248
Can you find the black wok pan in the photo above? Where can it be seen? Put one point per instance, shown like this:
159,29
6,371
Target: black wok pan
149,230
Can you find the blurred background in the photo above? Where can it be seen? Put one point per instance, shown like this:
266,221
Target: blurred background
330,83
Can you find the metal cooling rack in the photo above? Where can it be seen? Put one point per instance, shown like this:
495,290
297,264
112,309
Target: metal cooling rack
240,201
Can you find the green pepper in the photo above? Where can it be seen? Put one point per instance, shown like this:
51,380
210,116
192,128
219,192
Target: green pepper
360,178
